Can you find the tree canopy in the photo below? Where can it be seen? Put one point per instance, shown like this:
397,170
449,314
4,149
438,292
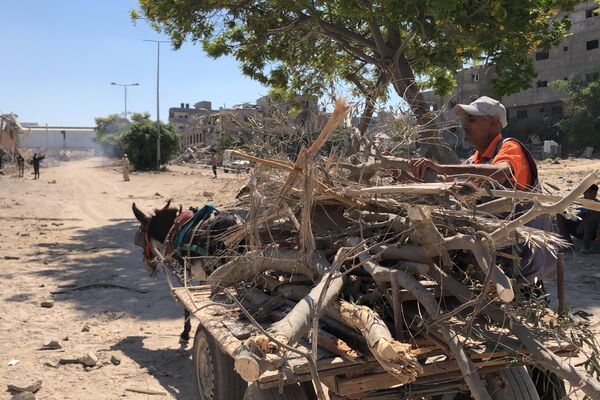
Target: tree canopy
303,46
581,108
139,142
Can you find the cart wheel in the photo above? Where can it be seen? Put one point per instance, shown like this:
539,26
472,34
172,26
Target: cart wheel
290,392
214,377
511,384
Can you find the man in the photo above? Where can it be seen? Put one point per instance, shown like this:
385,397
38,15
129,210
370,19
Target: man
20,164
36,165
588,225
505,161
125,164
213,163
508,162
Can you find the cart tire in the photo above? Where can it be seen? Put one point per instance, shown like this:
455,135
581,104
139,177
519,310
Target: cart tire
213,373
290,392
511,384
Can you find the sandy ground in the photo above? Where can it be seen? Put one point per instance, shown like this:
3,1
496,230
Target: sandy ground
75,227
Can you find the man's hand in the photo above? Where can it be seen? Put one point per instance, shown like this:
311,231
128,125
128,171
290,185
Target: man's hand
419,167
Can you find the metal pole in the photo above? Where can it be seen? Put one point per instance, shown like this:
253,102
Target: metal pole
125,85
158,42
158,105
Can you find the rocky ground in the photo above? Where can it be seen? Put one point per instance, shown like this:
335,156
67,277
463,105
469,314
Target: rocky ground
72,232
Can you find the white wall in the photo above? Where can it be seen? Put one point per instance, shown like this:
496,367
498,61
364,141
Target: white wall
75,138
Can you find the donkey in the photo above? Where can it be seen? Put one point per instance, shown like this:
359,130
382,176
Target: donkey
208,230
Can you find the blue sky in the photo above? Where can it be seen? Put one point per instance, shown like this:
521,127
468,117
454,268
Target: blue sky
58,57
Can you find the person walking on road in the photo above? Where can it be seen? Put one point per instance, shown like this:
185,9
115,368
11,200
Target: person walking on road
36,165
214,162
20,164
125,163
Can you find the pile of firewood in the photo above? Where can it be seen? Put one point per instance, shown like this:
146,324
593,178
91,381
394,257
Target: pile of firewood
383,266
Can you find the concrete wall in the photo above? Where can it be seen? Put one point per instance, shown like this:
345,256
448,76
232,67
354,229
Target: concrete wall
75,138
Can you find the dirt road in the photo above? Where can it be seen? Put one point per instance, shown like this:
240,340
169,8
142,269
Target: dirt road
75,227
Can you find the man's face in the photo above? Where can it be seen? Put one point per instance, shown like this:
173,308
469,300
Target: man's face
590,194
477,129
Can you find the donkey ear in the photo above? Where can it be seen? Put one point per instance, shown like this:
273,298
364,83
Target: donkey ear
167,205
143,218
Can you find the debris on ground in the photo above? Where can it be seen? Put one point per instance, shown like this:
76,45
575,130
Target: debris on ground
33,386
47,304
195,155
51,345
23,396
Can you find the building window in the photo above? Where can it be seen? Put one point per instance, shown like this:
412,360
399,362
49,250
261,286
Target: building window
542,55
566,48
592,12
591,44
508,114
474,77
591,77
542,110
557,111
522,114
541,84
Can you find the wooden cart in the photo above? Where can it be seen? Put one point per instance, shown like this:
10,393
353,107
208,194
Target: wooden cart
222,329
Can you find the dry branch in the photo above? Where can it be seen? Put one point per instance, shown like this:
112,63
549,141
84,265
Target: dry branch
253,263
546,358
395,357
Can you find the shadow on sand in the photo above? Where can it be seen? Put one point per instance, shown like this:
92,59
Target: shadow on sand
172,368
105,255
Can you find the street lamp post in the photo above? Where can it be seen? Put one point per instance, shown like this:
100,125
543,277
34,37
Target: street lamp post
158,42
125,85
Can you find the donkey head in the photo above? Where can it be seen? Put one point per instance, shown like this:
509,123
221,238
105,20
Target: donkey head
153,227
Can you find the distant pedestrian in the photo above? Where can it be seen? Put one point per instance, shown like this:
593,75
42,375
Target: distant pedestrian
20,164
214,161
125,162
36,164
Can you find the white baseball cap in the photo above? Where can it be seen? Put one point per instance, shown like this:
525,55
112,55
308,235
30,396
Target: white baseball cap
483,106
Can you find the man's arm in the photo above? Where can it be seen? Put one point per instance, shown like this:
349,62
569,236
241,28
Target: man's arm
500,172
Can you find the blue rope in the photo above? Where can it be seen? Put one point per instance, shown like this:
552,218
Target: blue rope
198,216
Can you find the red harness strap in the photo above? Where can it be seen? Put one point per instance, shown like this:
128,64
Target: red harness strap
147,248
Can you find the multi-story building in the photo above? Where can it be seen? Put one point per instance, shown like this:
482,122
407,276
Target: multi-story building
203,126
579,53
180,116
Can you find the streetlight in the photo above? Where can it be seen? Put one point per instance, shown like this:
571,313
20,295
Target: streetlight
125,85
158,42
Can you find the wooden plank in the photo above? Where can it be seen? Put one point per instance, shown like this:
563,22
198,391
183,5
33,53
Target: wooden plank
196,300
386,381
437,371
